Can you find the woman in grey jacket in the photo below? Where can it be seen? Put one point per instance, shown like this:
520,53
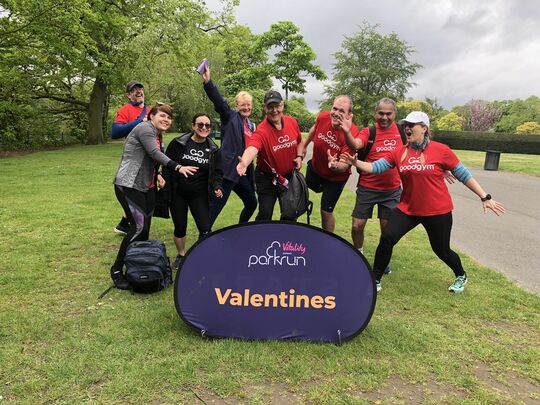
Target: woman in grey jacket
136,178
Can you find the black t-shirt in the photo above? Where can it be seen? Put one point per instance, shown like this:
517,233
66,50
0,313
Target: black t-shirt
195,154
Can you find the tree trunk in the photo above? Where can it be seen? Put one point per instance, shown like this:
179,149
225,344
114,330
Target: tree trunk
96,111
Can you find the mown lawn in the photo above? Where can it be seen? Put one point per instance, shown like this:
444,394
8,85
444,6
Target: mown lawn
60,344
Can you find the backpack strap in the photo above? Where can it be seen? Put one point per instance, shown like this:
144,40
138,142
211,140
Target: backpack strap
362,154
402,134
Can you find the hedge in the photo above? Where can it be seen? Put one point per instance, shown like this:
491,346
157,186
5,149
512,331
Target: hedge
482,141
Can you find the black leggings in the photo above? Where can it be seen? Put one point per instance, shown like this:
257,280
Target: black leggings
438,228
200,210
138,207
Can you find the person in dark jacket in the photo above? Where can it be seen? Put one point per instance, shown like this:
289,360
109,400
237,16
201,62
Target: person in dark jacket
199,178
236,129
136,179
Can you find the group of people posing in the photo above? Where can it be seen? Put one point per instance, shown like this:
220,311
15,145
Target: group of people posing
403,171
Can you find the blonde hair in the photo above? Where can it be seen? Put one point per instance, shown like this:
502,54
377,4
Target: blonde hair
243,95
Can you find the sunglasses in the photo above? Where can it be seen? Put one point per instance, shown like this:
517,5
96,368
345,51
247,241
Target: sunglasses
202,125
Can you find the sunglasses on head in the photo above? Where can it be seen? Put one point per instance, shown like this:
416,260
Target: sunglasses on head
202,125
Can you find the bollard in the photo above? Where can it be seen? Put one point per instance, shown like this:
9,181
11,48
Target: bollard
492,160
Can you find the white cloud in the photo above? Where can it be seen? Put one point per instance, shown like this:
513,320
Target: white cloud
467,49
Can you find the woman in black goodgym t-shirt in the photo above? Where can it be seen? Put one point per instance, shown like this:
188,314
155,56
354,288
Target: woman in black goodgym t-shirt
199,176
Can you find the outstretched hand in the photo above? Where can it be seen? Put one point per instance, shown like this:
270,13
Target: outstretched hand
241,167
333,160
349,159
494,206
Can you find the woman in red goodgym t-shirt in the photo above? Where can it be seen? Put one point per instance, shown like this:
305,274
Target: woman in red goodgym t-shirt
425,199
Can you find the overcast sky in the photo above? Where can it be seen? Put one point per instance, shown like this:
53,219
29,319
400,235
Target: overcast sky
468,49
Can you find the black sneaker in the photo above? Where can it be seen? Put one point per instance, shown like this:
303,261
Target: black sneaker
119,279
178,262
121,229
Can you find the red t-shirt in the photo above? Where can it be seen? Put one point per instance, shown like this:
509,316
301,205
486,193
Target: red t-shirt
128,113
386,140
277,147
424,190
326,138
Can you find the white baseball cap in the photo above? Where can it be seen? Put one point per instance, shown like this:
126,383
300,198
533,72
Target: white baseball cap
417,117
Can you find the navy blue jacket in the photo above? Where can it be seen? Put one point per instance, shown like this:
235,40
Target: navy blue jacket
232,134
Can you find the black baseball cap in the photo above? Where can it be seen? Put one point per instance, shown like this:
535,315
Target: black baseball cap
272,97
132,84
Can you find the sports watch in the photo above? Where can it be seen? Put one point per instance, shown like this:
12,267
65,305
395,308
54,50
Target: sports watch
486,198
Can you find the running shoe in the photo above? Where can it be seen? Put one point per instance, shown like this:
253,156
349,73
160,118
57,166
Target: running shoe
378,285
119,279
178,262
459,284
387,270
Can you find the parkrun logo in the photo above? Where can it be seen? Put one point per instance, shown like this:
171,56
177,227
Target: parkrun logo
280,254
330,139
415,164
196,156
389,145
284,142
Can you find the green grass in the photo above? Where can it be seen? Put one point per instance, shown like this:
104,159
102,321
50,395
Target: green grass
60,344
509,162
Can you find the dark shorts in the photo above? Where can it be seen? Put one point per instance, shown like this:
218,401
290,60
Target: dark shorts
367,198
331,190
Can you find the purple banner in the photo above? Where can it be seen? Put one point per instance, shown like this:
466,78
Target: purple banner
275,280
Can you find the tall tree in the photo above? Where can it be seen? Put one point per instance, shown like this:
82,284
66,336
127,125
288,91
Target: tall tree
75,49
370,66
293,57
483,115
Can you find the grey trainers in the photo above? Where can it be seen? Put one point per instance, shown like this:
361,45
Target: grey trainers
459,284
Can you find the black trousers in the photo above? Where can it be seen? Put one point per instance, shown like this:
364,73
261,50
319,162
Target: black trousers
267,194
138,207
438,228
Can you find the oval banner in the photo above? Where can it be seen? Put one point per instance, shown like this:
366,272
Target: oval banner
275,280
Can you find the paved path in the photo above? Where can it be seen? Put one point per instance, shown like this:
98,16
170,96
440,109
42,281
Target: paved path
509,244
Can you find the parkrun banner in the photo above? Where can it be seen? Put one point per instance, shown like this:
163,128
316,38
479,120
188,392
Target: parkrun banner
275,280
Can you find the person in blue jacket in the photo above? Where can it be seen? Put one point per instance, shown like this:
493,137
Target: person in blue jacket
236,128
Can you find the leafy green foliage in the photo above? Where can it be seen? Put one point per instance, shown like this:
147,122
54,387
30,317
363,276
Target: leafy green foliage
293,57
296,107
370,66
450,122
405,107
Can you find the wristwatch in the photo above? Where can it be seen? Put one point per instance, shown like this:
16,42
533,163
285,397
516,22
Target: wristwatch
486,198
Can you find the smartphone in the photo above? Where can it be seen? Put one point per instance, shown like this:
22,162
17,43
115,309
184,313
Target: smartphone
202,66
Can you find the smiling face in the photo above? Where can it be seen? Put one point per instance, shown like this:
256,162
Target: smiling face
161,120
385,115
201,128
244,104
340,109
136,95
415,132
274,112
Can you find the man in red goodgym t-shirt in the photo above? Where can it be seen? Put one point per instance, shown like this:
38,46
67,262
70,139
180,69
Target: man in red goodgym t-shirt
381,190
328,136
278,145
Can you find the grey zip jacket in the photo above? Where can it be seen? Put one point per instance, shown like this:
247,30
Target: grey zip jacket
141,153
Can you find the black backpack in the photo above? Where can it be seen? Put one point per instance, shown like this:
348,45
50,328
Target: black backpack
295,200
148,267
